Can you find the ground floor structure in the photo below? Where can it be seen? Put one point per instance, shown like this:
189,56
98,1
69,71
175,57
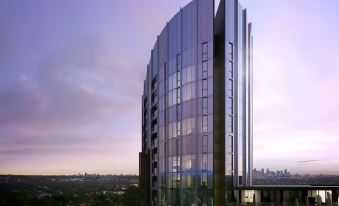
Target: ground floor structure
283,195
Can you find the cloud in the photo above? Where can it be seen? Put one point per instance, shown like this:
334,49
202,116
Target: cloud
79,106
74,101
77,85
65,145
69,152
295,85
308,161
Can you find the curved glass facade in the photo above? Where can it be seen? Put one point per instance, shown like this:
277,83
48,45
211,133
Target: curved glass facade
178,162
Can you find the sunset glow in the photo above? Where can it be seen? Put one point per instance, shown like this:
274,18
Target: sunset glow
72,77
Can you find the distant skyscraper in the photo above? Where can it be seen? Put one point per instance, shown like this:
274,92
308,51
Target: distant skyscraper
197,107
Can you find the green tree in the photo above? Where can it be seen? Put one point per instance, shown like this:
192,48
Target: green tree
134,196
13,201
60,199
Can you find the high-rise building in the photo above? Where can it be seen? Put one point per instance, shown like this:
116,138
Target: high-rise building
197,107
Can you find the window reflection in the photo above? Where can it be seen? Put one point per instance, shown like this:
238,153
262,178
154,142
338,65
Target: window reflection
173,129
188,126
188,91
188,74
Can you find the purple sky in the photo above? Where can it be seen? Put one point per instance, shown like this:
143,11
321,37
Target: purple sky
72,72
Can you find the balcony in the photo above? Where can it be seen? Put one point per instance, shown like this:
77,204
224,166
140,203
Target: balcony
155,103
154,94
154,134
154,142
154,121
154,114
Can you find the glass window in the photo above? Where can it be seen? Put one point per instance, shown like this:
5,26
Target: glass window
161,119
204,123
204,57
169,99
204,93
230,87
188,91
178,83
204,51
188,126
230,51
204,106
172,147
188,182
204,143
230,69
184,126
188,145
204,111
172,81
169,131
204,165
204,120
192,74
204,102
231,143
204,179
178,62
178,127
230,123
229,105
162,103
174,97
176,164
178,110
178,96
204,84
162,73
204,66
204,47
205,69
172,66
162,133
188,74
210,162
204,75
162,88
204,87
178,141
174,129
187,162
185,75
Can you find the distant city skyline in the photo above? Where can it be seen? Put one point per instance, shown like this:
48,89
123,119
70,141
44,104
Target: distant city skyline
71,76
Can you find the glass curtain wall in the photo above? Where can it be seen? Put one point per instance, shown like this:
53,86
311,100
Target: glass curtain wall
181,134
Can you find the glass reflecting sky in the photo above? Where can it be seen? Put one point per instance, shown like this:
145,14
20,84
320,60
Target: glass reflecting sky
72,72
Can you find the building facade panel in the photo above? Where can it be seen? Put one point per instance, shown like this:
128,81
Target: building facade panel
180,128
